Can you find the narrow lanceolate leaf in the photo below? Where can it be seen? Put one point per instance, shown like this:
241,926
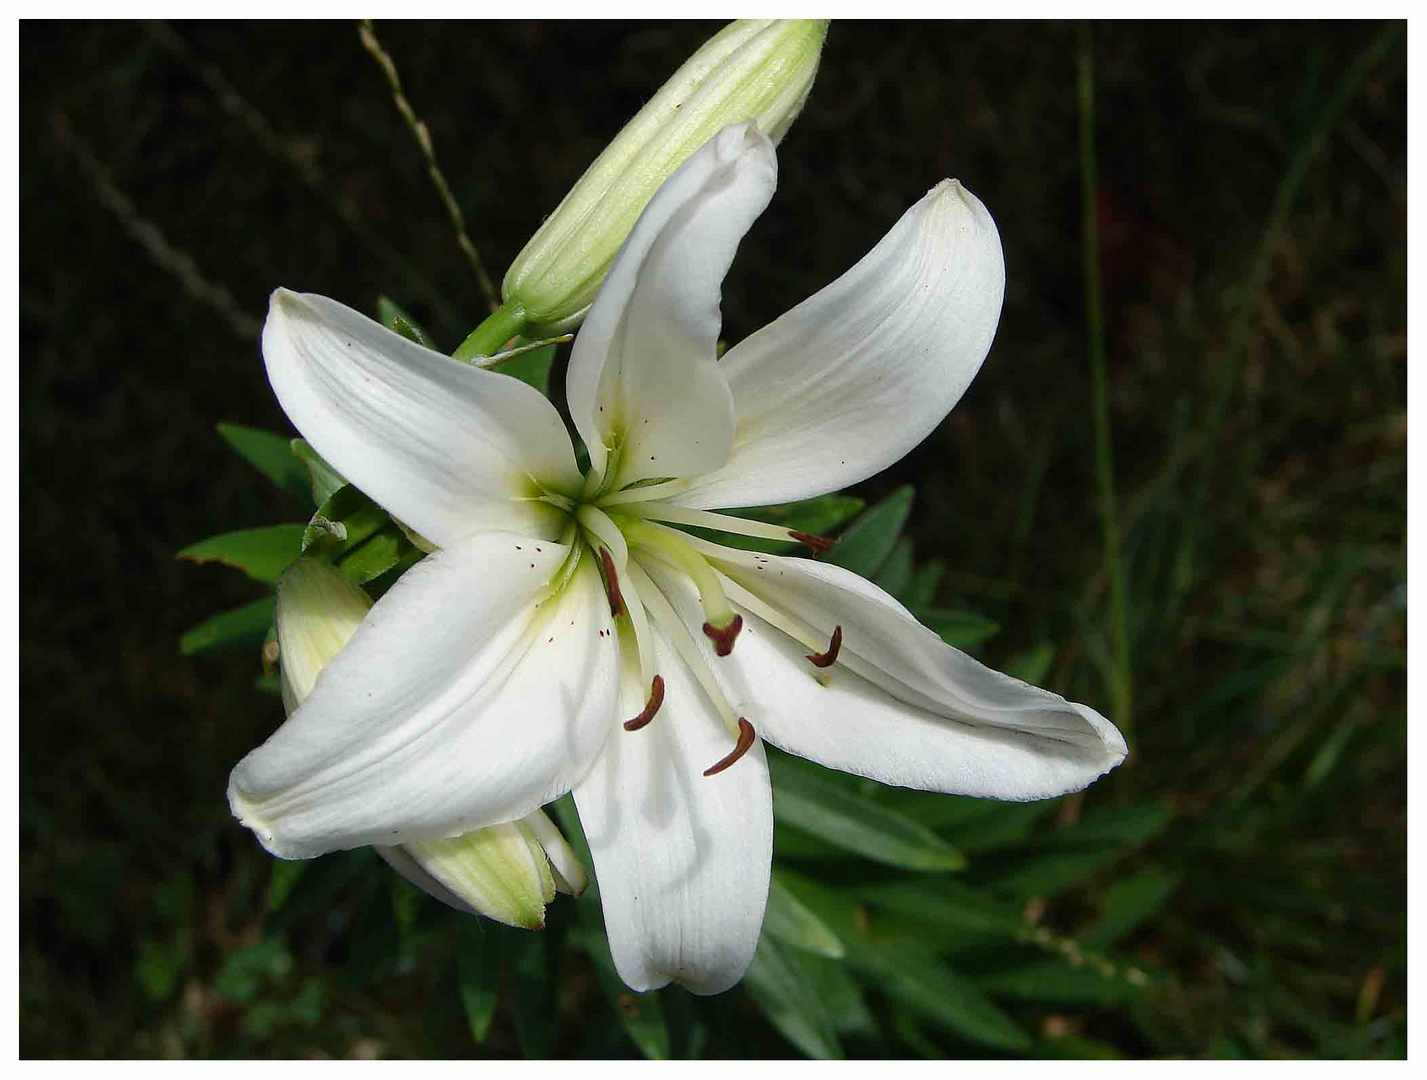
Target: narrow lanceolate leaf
641,1015
244,626
805,799
960,629
375,556
950,905
346,520
1129,903
1056,982
1067,857
394,317
477,977
323,480
777,984
262,553
922,592
934,990
896,573
271,454
819,516
870,540
792,922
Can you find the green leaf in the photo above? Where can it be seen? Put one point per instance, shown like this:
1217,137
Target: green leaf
922,592
831,982
1033,665
960,629
323,480
393,317
477,976
940,994
342,523
950,905
1067,857
375,556
641,1015
790,921
285,875
271,454
247,625
1054,982
532,368
805,797
896,573
532,1002
819,516
775,981
867,544
262,553
1129,903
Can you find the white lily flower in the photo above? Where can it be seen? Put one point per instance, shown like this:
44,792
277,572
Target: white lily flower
495,675
506,872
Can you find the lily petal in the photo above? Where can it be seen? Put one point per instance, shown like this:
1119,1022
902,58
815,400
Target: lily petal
682,860
447,448
851,379
644,373
899,705
466,698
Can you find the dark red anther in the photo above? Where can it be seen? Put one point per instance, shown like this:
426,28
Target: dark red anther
723,639
656,698
611,583
746,735
827,659
817,544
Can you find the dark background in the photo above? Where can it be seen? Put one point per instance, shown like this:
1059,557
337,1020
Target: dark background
1253,203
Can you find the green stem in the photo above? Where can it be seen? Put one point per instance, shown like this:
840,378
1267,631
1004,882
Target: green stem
1099,382
486,340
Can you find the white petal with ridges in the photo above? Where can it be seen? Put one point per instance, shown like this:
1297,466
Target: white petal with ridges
462,701
682,860
861,372
899,705
644,368
447,448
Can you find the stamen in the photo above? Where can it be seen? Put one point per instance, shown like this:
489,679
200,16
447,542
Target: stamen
724,638
611,583
651,707
746,735
672,547
816,544
676,632
707,519
795,628
827,659
644,493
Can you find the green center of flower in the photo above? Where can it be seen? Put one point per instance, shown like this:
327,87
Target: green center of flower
625,532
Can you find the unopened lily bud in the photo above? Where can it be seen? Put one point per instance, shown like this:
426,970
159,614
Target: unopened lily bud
505,872
753,69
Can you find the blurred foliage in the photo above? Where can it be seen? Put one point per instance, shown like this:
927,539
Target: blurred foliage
1236,889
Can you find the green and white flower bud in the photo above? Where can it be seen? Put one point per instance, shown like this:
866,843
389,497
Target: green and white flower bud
505,872
753,69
